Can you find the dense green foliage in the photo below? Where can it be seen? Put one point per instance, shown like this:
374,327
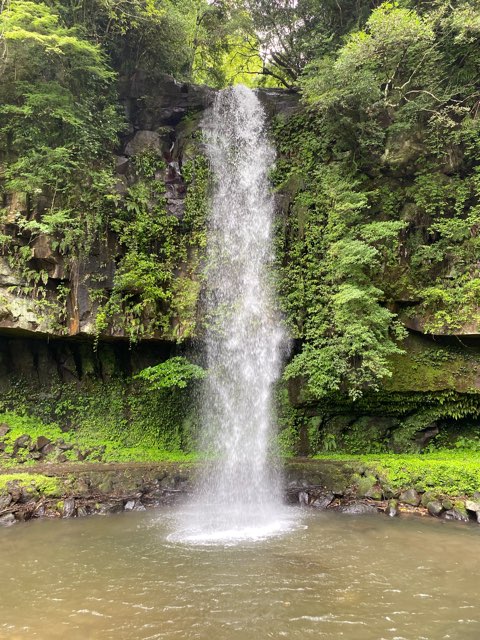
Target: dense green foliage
333,247
54,154
378,170
382,171
157,280
450,473
36,484
118,420
175,372
399,104
59,126
291,33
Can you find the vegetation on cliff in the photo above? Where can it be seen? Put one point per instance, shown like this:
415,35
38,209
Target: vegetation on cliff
378,174
383,170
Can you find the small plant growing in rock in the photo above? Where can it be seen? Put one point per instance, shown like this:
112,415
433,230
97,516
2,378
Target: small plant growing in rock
174,372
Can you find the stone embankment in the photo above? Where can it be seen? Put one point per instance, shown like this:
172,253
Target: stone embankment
76,490
352,488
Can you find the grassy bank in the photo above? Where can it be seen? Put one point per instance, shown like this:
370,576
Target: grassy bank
452,472
83,443
449,472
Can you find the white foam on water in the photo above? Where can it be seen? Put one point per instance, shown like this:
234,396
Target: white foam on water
224,528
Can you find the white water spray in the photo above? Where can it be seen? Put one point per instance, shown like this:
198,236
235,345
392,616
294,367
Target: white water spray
239,497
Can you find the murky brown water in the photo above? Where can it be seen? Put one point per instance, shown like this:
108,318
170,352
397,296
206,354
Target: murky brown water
363,578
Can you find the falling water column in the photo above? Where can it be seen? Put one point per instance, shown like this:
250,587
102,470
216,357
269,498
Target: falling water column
244,336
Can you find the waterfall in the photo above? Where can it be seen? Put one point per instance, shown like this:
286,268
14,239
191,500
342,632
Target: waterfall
239,495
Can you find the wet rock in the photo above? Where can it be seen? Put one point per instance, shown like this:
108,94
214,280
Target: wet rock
167,483
4,429
303,498
322,502
472,505
121,185
5,501
411,497
82,486
447,504
130,505
428,496
22,442
40,511
142,141
358,508
7,520
139,506
368,487
27,512
106,485
68,508
64,446
15,491
434,508
111,507
422,438
181,483
456,514
41,442
28,493
392,508
388,492
48,448
121,164
82,512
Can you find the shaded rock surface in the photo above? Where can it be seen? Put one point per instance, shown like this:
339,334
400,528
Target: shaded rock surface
434,507
411,497
7,520
98,488
358,508
392,508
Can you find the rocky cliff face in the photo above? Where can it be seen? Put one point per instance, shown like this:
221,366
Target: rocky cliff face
163,119
156,110
48,328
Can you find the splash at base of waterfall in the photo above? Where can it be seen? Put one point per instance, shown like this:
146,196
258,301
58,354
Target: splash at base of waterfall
207,524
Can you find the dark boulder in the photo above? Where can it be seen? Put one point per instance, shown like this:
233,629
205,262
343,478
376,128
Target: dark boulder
411,497
143,141
7,520
111,507
435,508
392,508
321,502
456,514
22,442
68,508
48,448
5,501
41,442
358,508
4,429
